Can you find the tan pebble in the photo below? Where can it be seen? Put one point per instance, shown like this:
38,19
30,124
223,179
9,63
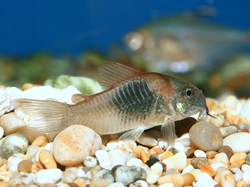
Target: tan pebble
153,175
219,171
243,120
238,156
227,176
218,185
211,154
145,156
147,140
95,169
188,179
176,179
223,158
80,182
241,184
228,122
232,114
189,161
156,151
4,184
36,166
190,153
227,150
99,182
27,86
166,154
126,146
40,141
218,121
152,185
195,172
138,150
238,163
49,185
208,169
20,185
64,185
71,185
47,159
25,166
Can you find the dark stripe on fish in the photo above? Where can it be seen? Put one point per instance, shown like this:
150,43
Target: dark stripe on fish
133,100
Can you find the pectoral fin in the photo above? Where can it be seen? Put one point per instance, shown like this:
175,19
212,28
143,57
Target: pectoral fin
132,134
168,132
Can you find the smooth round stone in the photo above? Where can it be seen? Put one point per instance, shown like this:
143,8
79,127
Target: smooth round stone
245,167
98,183
129,174
227,177
222,158
147,140
25,166
177,161
73,144
70,175
227,150
206,136
112,144
152,160
47,176
200,153
198,162
134,162
238,142
153,175
11,123
246,177
40,141
13,143
116,184
104,159
32,151
36,166
105,174
47,159
90,161
176,179
228,129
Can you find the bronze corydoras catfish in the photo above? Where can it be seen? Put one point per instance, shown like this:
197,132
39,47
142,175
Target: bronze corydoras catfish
134,102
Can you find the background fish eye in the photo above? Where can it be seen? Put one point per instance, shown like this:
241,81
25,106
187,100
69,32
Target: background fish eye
187,92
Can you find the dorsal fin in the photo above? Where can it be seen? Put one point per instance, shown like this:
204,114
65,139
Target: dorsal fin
111,73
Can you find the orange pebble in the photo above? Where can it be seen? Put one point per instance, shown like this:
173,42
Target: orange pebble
156,151
238,163
40,141
208,169
27,86
166,154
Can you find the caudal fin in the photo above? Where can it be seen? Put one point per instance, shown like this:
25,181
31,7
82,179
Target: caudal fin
47,116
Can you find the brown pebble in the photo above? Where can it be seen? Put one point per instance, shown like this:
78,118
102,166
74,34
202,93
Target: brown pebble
190,153
40,141
36,166
208,169
197,162
72,185
47,159
166,155
244,130
238,156
99,182
25,166
173,150
80,182
227,150
211,154
142,153
188,179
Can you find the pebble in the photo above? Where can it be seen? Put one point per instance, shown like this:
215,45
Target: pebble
153,175
213,138
218,121
40,141
238,156
126,146
32,151
142,153
245,111
112,144
246,177
25,166
13,162
16,178
80,182
134,162
98,183
188,179
36,166
47,176
11,123
13,143
203,179
227,177
73,144
129,174
90,161
47,160
116,184
117,157
206,168
200,153
211,154
168,184
177,161
139,183
238,174
198,162
166,155
237,142
147,140
104,159
152,160
176,179
70,175
245,167
188,169
227,150
105,174
154,133
241,184
228,129
223,158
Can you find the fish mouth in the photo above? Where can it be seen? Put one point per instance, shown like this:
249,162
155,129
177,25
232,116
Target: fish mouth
204,113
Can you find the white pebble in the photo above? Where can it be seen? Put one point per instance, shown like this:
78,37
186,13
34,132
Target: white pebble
139,183
90,161
28,178
49,147
186,142
47,176
32,151
112,144
227,184
178,161
116,184
88,175
203,176
217,165
157,165
101,155
167,185
70,175
246,177
130,155
153,175
134,162
13,162
238,174
187,169
200,153
117,157
203,180
179,147
245,167
222,158
80,172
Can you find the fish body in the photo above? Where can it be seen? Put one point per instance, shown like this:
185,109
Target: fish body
183,42
134,102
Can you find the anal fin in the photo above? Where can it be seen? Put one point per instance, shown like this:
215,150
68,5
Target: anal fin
168,132
132,134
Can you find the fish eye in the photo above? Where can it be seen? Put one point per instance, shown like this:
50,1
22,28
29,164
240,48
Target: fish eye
188,92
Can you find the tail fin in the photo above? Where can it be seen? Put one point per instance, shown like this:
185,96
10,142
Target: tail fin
48,116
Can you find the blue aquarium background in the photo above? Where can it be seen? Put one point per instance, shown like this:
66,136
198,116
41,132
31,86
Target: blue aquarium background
72,32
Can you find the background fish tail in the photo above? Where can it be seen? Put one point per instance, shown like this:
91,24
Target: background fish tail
47,116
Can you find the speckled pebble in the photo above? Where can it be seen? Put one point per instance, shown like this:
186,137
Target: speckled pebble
197,162
90,161
105,174
129,174
237,142
74,143
47,159
205,136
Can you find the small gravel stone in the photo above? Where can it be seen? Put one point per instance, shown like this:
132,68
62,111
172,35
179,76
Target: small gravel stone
222,158
153,175
116,184
238,156
211,154
218,121
104,159
227,150
13,143
228,129
80,182
152,160
25,166
200,153
206,136
32,151
237,142
47,159
129,174
47,176
134,162
146,140
98,183
227,177
74,143
40,141
245,167
176,179
178,161
70,175
36,166
197,162
90,161
112,144
246,177
13,162
117,157
105,174
188,179
139,183
238,174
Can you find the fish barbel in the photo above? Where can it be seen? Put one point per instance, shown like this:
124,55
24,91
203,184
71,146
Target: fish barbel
134,102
